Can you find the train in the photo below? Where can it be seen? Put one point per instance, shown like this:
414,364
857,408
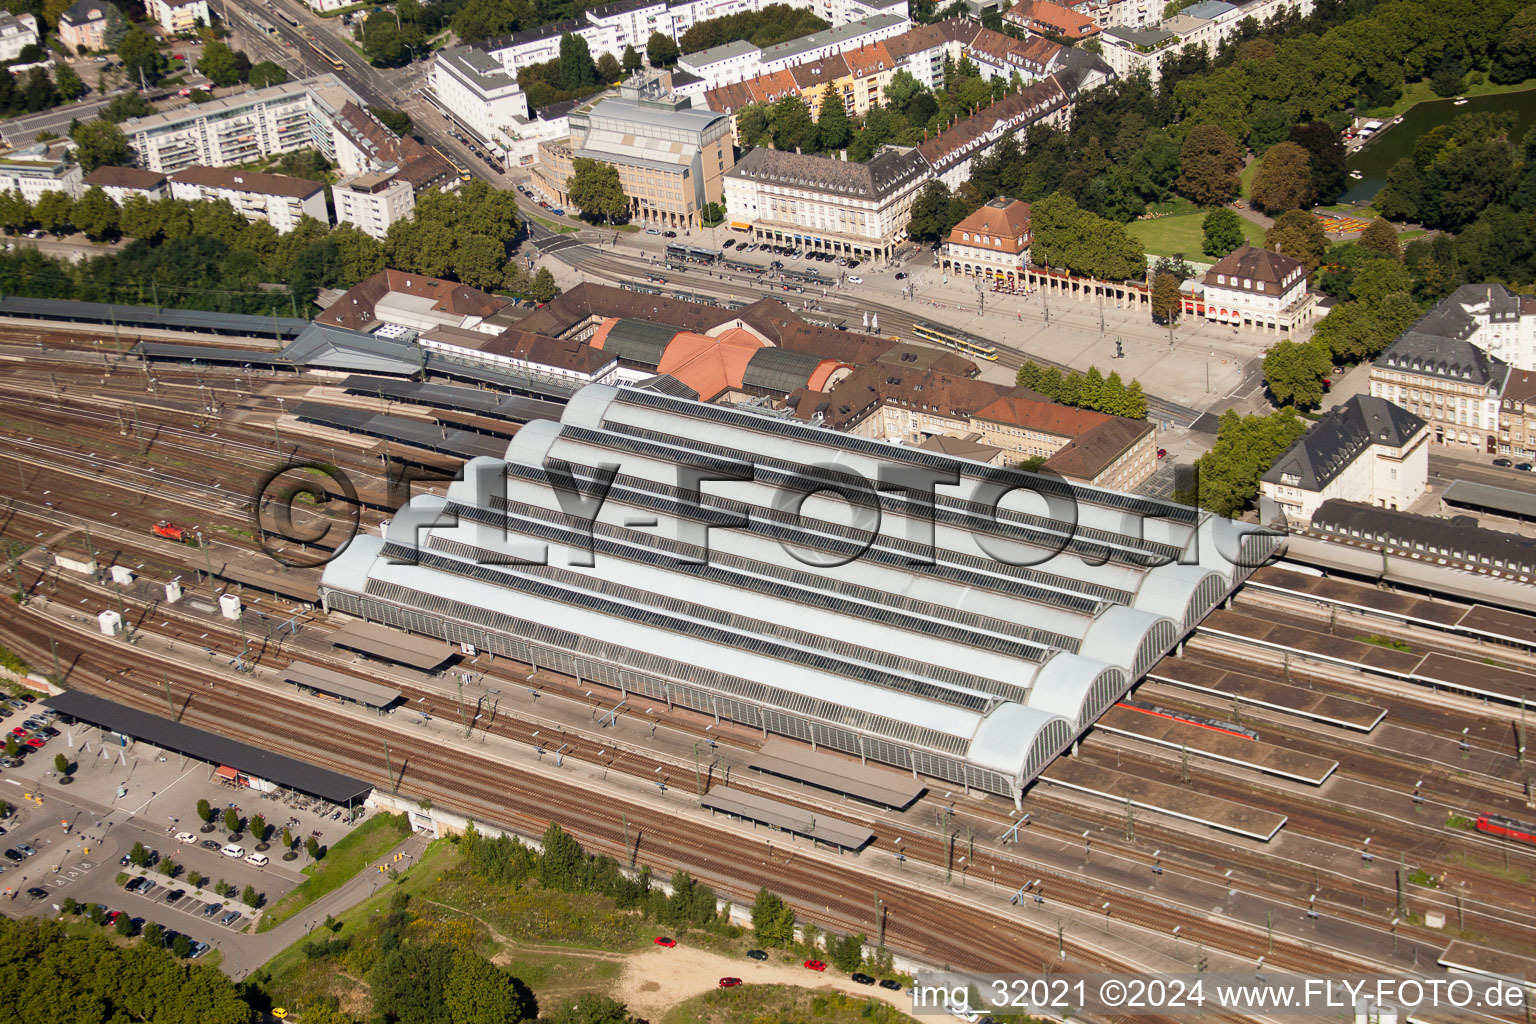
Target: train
1509,828
960,341
1230,728
326,55
290,19
179,534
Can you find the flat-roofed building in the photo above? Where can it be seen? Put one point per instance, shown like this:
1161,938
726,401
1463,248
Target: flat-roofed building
373,201
827,204
36,170
474,88
671,158
121,182
280,200
242,127
17,32
176,17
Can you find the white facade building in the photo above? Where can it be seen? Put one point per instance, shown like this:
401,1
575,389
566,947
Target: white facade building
1260,289
33,171
119,183
1503,323
243,127
1367,450
373,201
322,6
474,88
178,16
739,60
278,199
17,32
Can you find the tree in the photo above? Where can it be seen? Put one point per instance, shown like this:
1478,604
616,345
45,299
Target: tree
100,144
752,128
141,57
38,91
124,925
930,213
1227,477
11,746
1294,372
265,73
205,811
595,188
832,129
1381,238
631,60
181,946
1223,232
577,71
773,920
61,764
154,935
1210,161
1166,300
478,992
138,855
396,121
608,69
661,50
593,1008
712,215
480,262
287,838
790,121
846,952
95,214
52,210
1299,235
1325,158
312,847
1515,56
125,105
1066,236
259,828
410,982
250,897
218,63
1448,78
231,820
67,83
1284,179
1403,195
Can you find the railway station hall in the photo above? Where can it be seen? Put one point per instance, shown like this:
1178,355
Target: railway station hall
953,619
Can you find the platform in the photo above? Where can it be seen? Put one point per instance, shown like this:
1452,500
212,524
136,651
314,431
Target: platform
1264,693
1308,643
786,818
1499,625
1467,958
1179,801
800,763
369,638
1221,746
339,684
1361,596
1477,678
294,584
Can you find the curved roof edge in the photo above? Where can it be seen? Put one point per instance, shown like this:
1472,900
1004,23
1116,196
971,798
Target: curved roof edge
1005,740
589,406
1183,593
1075,687
1118,633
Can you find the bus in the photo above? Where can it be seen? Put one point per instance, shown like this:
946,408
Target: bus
957,340
290,19
692,253
326,55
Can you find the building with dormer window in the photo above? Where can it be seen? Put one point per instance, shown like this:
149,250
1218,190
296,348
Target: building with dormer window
1435,371
992,243
1256,288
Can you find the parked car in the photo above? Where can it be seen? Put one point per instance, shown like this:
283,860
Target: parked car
1162,453
729,982
230,918
198,949
27,850
210,844
13,854
37,892
186,837
558,212
1506,463
855,279
35,742
653,231
901,275
233,851
815,965
666,940
728,243
212,909
890,984
1524,467
669,234
860,978
175,895
756,954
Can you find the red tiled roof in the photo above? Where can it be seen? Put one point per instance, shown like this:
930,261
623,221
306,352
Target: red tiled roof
355,309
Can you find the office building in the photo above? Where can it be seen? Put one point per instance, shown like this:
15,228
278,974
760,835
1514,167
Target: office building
473,88
1259,289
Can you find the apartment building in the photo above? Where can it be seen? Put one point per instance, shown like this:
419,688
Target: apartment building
739,60
243,127
1517,415
1367,450
476,90
1044,16
671,158
278,199
827,204
176,17
361,144
17,32
119,183
373,201
951,153
83,25
35,170
1436,371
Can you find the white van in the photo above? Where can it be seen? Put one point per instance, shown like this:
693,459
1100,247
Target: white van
259,859
233,851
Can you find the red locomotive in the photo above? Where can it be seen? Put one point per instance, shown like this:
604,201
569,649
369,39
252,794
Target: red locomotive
1509,828
164,529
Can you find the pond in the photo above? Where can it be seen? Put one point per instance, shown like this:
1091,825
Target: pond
1376,159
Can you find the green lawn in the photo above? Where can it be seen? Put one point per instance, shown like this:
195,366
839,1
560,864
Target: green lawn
1182,233
1245,179
782,1004
563,229
1418,92
349,856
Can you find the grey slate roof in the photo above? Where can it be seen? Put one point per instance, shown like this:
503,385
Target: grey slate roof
639,341
892,167
829,36
336,348
1460,535
1437,345
1503,500
780,369
1339,437
1208,9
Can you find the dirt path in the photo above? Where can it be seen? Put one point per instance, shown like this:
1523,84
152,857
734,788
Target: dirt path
658,979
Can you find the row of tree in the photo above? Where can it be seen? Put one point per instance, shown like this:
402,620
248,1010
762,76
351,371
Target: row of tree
1086,391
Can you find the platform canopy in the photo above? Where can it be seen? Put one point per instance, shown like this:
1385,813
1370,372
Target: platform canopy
402,648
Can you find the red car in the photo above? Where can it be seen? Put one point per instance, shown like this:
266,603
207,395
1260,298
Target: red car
1162,453
178,56
18,731
36,742
112,916
815,965
662,940
729,982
